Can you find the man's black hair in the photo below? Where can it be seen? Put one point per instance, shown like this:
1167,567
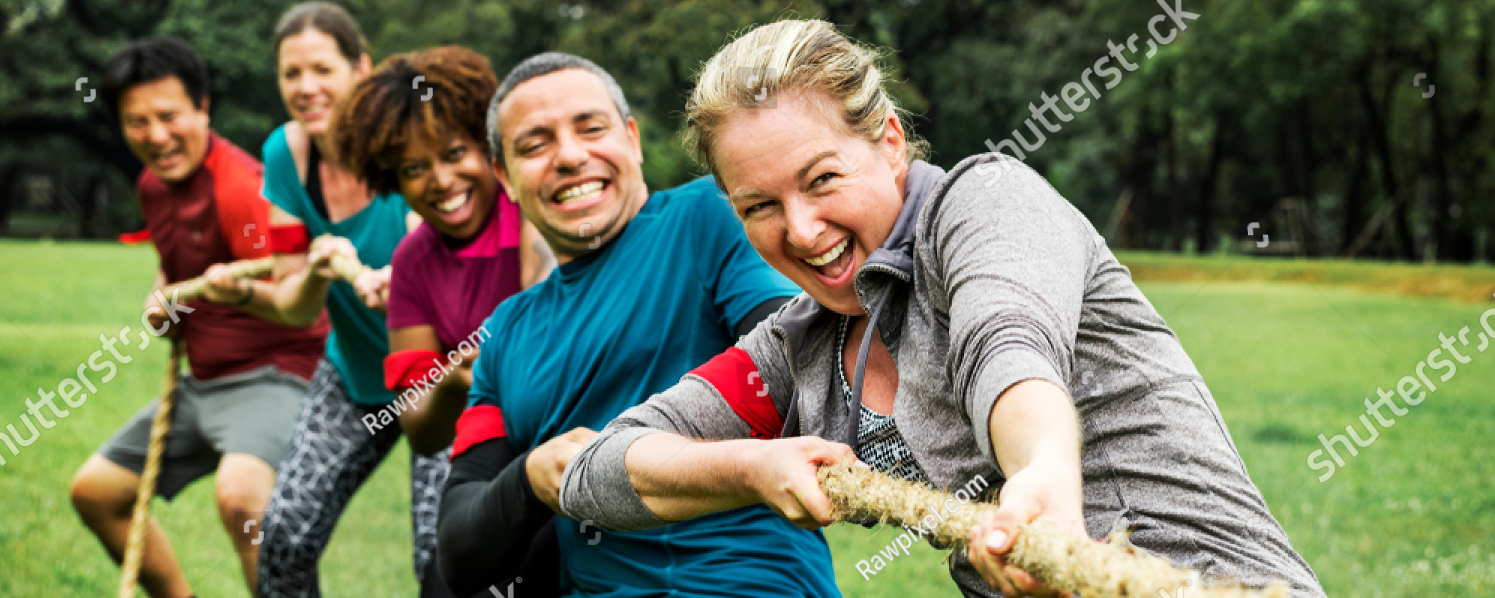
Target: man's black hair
151,59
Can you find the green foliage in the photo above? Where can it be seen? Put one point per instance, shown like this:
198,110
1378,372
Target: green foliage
1256,101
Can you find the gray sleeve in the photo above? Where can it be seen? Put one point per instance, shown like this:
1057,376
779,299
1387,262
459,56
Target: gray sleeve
1012,258
596,485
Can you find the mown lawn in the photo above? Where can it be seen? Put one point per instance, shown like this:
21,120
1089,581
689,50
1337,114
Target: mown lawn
1413,514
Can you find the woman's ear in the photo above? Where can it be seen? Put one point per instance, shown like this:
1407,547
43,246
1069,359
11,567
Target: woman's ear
365,65
893,141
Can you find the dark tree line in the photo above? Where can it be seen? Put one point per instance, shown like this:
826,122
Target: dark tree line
1301,115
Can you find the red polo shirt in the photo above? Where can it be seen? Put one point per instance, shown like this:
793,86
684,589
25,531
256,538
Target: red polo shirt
217,216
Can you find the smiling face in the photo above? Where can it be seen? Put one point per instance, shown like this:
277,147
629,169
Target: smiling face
313,75
570,160
814,200
449,183
164,129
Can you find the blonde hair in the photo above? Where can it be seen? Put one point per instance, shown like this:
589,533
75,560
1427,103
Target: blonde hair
810,57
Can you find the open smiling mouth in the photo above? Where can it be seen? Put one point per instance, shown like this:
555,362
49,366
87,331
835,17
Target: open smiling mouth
579,193
453,204
833,263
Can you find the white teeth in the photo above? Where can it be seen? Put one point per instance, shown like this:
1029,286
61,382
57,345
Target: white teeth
830,256
452,204
582,191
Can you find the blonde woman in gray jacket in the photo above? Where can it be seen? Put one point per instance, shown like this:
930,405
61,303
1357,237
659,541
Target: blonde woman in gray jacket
967,329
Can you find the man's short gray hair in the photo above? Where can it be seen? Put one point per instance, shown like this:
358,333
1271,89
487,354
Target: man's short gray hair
545,64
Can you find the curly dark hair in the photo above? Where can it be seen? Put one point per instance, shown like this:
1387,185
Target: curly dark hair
372,125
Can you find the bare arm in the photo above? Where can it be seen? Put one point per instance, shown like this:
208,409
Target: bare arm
678,478
1034,422
222,288
431,423
300,287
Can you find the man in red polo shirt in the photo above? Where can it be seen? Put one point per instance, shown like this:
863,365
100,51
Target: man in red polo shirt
235,410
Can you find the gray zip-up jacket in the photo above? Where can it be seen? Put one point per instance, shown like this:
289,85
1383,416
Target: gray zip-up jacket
985,282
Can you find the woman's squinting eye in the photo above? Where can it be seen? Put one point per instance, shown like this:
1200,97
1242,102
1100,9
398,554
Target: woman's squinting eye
822,179
455,153
751,210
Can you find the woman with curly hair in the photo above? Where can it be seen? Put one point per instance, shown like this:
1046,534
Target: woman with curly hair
417,126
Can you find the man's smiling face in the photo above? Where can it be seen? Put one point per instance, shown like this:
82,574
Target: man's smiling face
570,160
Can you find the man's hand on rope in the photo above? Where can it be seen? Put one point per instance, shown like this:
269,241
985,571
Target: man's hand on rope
547,462
1039,490
782,474
158,317
222,287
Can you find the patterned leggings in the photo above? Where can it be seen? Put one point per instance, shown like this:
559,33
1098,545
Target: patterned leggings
330,455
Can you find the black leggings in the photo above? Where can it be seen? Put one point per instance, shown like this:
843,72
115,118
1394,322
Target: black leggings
331,454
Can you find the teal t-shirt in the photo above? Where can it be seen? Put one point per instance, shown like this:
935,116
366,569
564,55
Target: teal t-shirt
605,332
359,341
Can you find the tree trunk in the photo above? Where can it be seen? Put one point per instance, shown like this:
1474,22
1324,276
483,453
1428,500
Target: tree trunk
1205,236
1381,144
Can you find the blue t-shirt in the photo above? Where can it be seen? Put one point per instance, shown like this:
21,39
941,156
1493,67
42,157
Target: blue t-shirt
359,340
605,332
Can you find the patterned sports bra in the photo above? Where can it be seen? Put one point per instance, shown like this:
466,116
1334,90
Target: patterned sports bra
879,443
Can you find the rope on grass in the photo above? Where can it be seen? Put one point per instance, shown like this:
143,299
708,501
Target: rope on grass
140,521
1114,569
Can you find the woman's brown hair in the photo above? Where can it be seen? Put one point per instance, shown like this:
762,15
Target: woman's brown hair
389,107
329,19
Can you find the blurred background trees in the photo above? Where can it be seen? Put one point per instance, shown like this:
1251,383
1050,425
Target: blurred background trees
1301,115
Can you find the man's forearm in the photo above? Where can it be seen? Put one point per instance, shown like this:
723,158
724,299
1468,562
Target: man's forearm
679,478
262,303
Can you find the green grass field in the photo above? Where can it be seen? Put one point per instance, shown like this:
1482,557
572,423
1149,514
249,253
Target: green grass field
1413,514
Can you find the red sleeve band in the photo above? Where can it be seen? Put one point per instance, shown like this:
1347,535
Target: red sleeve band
480,423
289,238
404,369
736,377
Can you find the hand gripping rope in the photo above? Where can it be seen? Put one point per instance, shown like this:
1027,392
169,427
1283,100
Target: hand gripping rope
1113,569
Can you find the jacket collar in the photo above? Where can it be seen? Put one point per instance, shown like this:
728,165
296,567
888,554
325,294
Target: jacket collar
896,256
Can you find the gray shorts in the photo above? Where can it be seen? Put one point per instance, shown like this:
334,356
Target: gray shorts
250,412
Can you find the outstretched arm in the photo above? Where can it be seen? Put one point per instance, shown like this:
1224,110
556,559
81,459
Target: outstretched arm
1036,437
1013,259
431,422
302,279
678,478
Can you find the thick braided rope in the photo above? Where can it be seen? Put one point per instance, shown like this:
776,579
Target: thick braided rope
139,522
192,289
1060,559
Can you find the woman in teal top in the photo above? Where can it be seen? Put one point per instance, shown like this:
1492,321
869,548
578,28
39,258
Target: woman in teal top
320,57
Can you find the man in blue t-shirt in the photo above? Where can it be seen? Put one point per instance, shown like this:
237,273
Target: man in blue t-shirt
648,287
